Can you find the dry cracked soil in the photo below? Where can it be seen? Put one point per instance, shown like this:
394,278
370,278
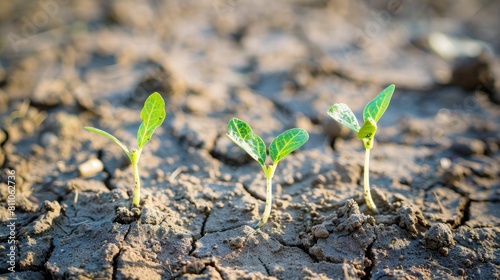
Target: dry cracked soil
435,166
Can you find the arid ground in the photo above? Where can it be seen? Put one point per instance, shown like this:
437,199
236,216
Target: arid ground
434,169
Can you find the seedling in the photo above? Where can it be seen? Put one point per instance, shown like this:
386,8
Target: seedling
152,115
241,134
371,114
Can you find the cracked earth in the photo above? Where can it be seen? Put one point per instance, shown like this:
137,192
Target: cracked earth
435,168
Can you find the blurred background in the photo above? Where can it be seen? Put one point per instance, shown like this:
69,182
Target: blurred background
56,51
220,58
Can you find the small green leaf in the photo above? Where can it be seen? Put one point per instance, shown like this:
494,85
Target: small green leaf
286,143
152,115
367,133
344,115
376,108
109,136
242,134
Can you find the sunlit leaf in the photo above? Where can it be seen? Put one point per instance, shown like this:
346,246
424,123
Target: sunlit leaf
286,143
376,108
242,134
343,114
152,115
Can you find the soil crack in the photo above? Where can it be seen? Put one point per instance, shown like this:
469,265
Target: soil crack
252,194
466,212
115,263
115,257
49,254
368,266
126,234
221,157
265,267
202,233
301,247
219,271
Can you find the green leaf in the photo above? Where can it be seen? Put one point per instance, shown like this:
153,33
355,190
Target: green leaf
343,114
286,143
376,108
242,134
367,133
109,136
152,115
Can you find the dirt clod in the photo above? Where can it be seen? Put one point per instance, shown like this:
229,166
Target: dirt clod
353,228
410,219
126,216
454,174
320,231
151,216
51,210
236,243
438,236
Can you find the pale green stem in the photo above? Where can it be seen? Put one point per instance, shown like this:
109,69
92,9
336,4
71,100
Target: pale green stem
269,173
368,195
269,201
137,179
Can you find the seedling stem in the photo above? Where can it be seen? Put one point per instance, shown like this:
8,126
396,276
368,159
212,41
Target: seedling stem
136,154
269,173
366,185
285,143
371,114
152,115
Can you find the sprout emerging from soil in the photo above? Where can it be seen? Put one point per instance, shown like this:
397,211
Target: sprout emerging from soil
241,134
371,114
152,115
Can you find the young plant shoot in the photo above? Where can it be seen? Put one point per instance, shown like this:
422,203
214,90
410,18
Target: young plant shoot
241,134
371,114
152,115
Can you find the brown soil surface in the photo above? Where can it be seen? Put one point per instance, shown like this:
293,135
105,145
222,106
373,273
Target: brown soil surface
435,166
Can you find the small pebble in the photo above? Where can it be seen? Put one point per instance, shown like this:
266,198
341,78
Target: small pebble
236,243
320,179
61,166
49,139
90,168
320,231
445,163
219,204
444,251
